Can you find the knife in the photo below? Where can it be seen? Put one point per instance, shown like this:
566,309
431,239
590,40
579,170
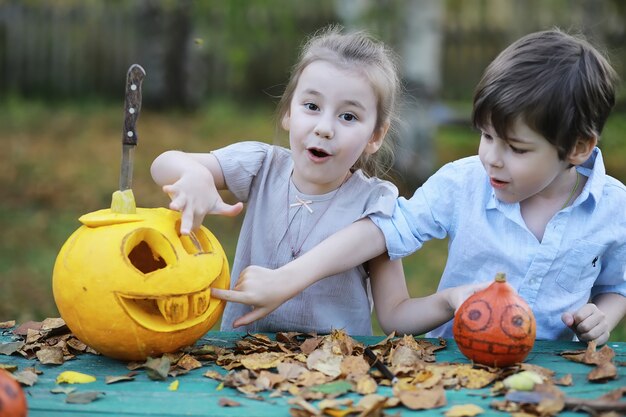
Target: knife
132,107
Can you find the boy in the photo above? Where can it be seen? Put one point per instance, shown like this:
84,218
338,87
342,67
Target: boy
535,203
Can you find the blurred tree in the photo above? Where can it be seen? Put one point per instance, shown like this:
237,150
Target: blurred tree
414,29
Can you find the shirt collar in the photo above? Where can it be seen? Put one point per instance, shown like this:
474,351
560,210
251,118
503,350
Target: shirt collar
594,169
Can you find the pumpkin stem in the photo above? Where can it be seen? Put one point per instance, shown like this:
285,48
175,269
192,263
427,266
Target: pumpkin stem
500,277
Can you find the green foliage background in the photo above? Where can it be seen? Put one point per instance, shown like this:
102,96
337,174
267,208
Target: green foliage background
61,161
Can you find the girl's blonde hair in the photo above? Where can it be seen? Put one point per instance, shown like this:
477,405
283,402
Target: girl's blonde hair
356,51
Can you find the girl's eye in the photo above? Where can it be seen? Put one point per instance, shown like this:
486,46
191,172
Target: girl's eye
311,106
348,117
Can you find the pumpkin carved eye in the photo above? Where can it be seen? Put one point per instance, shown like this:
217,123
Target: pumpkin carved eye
148,250
477,316
516,322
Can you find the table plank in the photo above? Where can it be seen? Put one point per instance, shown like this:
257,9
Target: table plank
199,396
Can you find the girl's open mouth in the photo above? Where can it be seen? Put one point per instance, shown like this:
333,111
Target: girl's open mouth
318,153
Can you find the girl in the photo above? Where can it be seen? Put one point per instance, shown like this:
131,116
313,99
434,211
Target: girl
338,106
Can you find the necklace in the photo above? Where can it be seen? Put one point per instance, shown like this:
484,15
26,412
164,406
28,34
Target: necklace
571,194
295,248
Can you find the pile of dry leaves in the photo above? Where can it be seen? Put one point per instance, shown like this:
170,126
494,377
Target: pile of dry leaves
315,372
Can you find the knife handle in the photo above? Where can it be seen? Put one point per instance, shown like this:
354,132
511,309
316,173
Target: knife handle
132,105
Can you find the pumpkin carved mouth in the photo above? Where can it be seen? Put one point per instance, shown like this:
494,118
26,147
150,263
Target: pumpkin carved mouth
168,313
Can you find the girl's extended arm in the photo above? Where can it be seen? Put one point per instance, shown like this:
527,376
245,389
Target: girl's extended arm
192,180
595,320
397,311
266,289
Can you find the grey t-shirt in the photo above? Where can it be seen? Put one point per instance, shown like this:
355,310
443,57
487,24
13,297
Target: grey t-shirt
259,174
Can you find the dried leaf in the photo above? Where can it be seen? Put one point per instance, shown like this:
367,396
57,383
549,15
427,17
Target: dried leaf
325,362
603,372
10,347
63,390
22,329
7,324
157,368
213,375
188,362
290,370
565,380
227,402
465,410
83,397
50,356
310,345
335,388
26,377
265,360
422,399
120,378
365,385
354,367
473,378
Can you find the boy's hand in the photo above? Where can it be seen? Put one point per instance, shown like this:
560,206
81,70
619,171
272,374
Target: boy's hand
589,323
262,288
457,295
191,197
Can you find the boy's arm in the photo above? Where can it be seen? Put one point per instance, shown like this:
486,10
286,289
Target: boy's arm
595,320
267,289
192,181
397,311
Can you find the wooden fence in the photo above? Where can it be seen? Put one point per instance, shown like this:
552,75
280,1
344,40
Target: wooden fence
194,50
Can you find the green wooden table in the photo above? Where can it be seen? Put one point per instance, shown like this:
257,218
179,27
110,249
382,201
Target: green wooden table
200,396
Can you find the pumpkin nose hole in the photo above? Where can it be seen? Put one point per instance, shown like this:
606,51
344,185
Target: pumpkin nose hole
145,259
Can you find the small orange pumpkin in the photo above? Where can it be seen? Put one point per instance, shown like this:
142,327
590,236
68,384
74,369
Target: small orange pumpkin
495,326
12,398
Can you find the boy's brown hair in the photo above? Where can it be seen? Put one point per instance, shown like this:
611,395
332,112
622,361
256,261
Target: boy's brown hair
559,84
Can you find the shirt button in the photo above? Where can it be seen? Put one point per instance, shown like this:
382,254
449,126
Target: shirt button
532,281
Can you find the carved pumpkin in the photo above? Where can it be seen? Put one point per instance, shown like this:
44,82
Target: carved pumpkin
12,398
130,286
495,326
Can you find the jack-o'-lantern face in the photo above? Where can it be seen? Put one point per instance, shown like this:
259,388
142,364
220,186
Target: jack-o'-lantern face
495,326
130,286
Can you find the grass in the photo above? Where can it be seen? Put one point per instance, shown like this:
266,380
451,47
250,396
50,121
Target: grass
61,161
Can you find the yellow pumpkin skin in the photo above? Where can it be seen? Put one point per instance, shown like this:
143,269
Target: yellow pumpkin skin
495,326
130,286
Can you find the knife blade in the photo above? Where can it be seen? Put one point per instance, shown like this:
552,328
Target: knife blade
132,107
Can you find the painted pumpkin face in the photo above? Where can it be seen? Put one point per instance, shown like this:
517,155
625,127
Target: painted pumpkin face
130,286
495,326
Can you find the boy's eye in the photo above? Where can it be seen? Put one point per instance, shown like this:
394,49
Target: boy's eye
311,106
348,117
518,150
486,135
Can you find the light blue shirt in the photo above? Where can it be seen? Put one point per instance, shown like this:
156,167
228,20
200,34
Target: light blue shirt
582,253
